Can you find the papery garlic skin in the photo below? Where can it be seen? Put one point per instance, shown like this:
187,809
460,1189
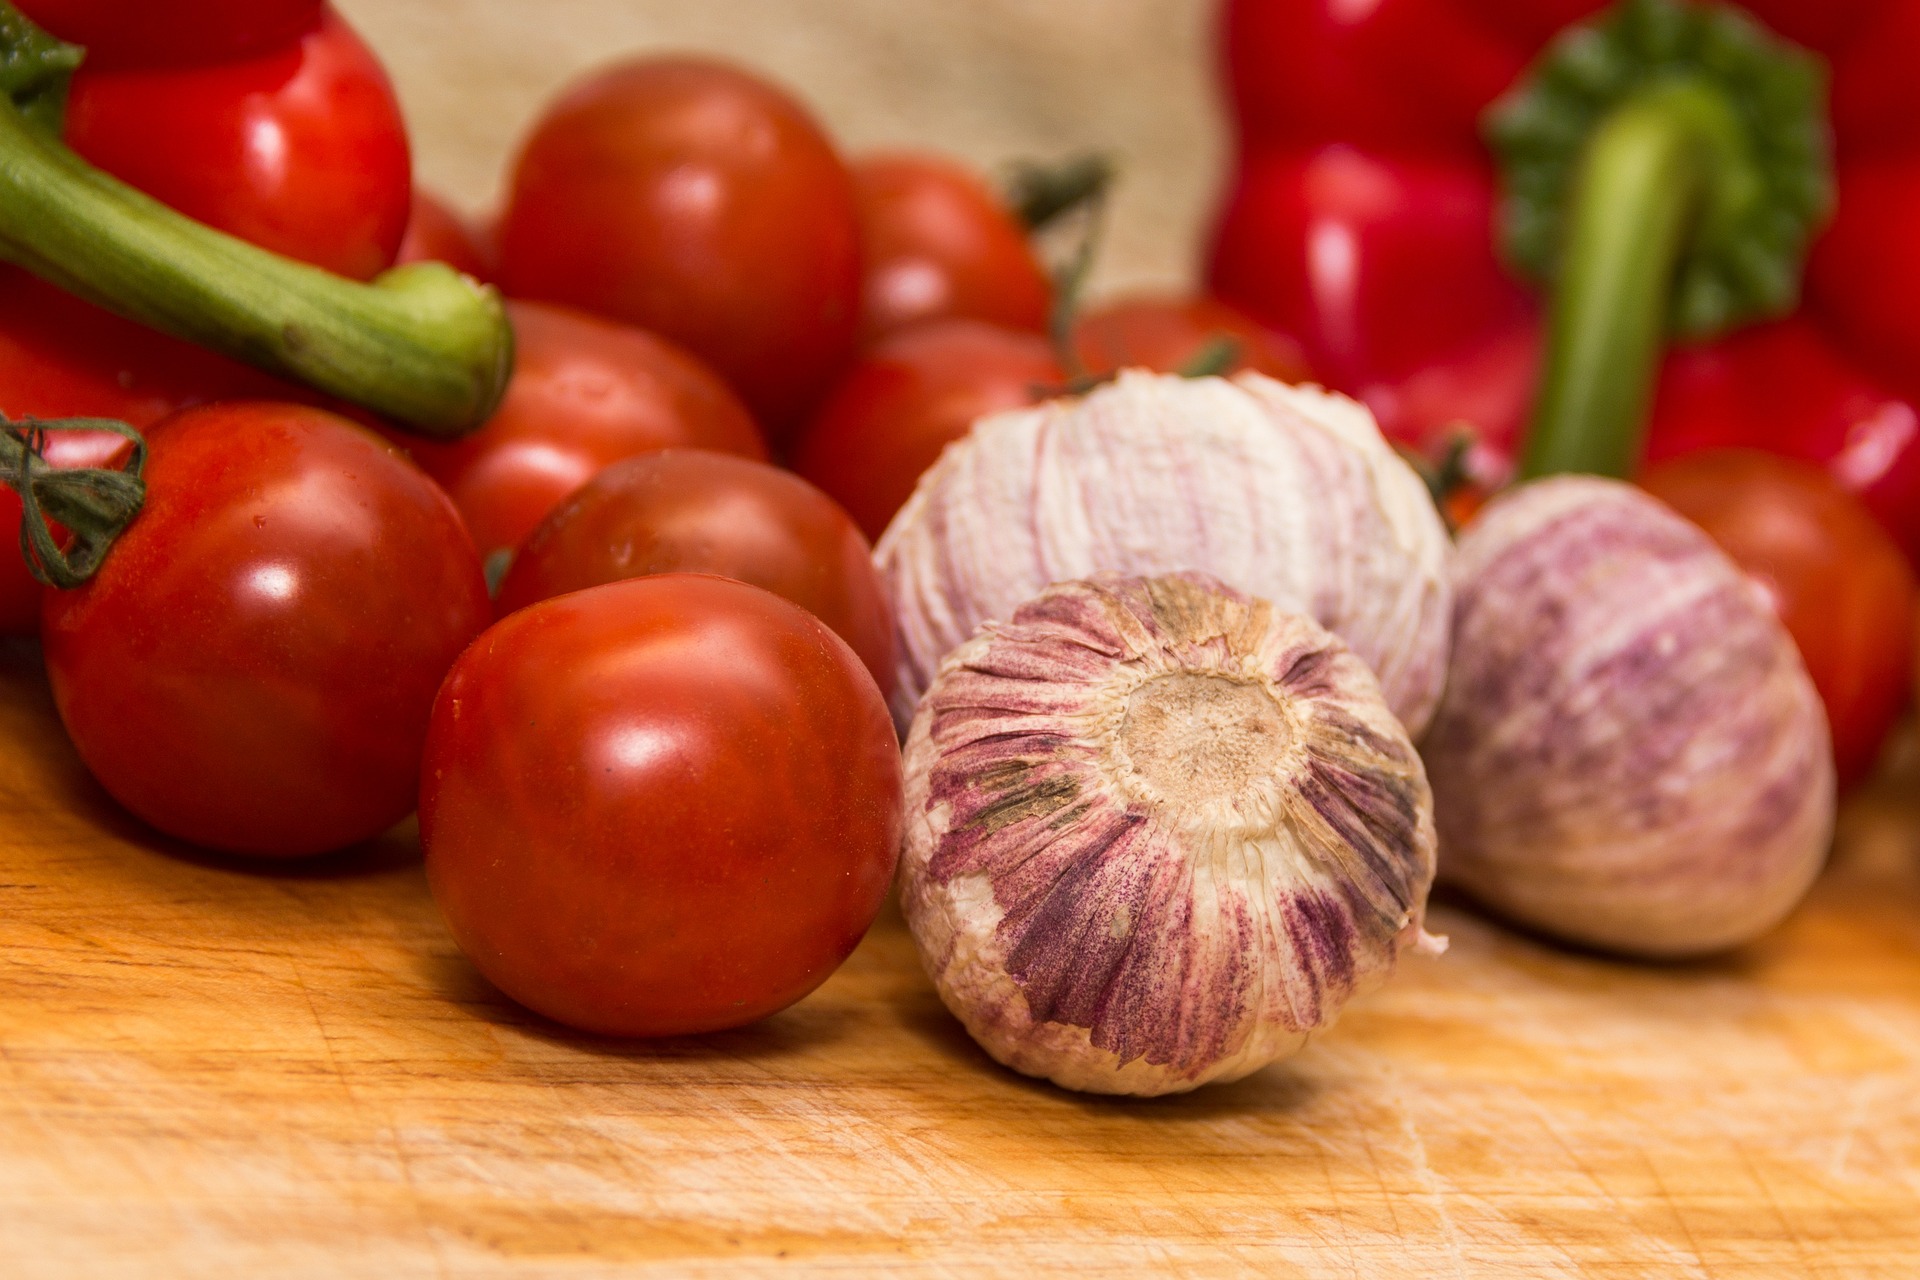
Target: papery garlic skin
1630,754
1287,493
1158,833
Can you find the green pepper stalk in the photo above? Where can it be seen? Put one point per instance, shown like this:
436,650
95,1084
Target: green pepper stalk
1664,169
421,344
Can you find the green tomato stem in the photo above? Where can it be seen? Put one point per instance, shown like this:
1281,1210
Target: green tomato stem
93,504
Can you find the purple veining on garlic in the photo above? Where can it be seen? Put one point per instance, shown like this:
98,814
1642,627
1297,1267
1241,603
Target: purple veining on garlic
1630,753
1287,493
1159,833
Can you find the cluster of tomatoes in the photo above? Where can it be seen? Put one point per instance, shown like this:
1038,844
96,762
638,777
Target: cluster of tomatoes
658,787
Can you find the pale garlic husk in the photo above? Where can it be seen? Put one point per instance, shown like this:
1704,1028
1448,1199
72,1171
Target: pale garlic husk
1630,754
1158,834
1287,493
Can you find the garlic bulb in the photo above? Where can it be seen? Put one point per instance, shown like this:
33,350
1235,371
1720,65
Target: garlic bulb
1287,493
1630,754
1158,833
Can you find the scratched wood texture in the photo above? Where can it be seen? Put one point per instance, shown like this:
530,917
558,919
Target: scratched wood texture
208,1069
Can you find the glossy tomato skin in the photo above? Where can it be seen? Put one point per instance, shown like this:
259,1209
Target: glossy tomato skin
938,242
692,511
585,392
435,233
1838,580
128,33
660,806
299,149
698,201
909,397
1167,334
63,358
252,668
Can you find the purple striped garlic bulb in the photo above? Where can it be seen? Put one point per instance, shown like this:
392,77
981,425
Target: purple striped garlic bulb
1286,493
1630,754
1158,833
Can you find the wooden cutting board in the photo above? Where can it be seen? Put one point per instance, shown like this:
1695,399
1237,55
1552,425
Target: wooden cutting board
215,1070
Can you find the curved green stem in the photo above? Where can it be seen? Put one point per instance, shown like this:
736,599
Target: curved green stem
1664,167
422,344
1641,186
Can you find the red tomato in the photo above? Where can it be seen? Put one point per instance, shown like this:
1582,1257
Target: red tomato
700,202
253,665
660,806
62,358
687,510
1168,334
299,149
126,33
1836,577
913,394
940,243
585,392
435,233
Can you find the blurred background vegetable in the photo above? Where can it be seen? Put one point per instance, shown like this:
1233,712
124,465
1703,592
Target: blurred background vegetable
1362,217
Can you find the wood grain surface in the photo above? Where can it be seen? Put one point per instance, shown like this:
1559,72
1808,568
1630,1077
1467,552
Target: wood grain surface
216,1070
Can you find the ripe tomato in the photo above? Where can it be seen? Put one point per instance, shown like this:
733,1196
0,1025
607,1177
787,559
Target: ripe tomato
687,510
1837,578
63,358
435,233
299,149
914,393
698,201
127,33
940,243
1168,335
253,665
660,806
585,392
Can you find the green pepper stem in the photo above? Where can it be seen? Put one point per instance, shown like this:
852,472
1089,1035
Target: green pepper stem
1642,183
421,344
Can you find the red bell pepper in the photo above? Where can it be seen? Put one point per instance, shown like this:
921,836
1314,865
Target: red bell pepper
1366,212
419,343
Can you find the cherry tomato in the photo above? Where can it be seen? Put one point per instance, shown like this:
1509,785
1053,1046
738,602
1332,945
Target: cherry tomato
435,233
1838,580
910,396
585,392
62,358
299,149
1169,335
253,665
940,243
129,33
660,806
698,201
687,510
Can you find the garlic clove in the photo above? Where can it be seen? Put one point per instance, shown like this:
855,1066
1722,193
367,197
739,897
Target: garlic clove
1287,493
1630,754
1159,833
